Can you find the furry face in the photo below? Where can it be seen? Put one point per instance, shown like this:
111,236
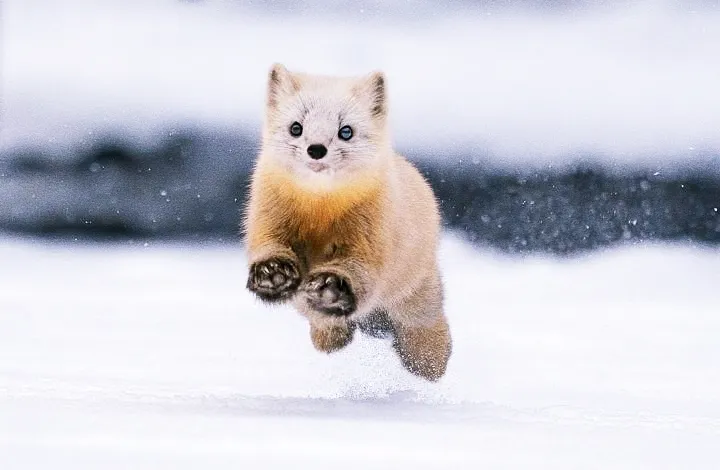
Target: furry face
325,130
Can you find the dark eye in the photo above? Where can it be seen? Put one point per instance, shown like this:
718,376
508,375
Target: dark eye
345,133
296,129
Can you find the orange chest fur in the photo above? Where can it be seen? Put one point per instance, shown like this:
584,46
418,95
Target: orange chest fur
323,222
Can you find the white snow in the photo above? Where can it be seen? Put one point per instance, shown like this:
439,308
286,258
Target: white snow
132,356
625,83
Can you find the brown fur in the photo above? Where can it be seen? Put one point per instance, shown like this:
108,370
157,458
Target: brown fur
331,338
374,234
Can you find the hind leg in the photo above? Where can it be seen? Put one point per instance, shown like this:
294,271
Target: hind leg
331,335
425,350
422,334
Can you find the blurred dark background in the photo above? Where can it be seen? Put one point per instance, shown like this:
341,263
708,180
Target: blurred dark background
551,127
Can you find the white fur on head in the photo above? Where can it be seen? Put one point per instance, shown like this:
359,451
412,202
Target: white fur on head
373,87
322,105
281,85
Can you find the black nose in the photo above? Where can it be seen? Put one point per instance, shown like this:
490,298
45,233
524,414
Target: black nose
317,151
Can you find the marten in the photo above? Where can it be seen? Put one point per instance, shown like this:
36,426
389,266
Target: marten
340,225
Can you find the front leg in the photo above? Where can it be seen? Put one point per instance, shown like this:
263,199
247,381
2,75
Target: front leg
274,274
336,288
329,293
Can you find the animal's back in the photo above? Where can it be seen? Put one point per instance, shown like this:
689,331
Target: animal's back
413,231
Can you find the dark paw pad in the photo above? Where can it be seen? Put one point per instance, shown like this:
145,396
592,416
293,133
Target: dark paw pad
274,279
330,294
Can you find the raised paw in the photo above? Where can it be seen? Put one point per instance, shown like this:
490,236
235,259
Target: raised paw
329,293
274,279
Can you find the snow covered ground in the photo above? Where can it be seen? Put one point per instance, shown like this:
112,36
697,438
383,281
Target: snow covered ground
132,356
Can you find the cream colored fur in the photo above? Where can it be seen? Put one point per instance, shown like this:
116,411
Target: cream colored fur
362,213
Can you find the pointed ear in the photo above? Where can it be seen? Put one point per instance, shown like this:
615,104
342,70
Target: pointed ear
281,83
373,86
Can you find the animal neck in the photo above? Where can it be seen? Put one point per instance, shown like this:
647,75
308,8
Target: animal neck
319,207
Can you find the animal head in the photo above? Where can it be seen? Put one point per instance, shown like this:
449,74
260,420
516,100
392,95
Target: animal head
325,129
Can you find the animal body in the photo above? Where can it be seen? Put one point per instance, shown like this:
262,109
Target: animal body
340,225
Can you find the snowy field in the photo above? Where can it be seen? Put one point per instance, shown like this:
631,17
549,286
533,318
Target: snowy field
140,357
133,356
